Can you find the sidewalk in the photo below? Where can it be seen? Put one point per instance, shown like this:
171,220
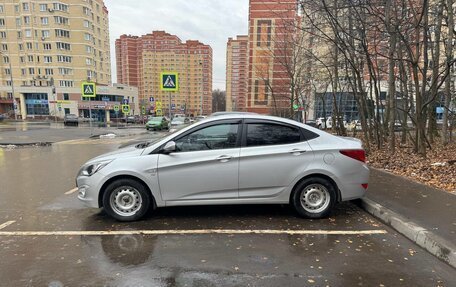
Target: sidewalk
424,214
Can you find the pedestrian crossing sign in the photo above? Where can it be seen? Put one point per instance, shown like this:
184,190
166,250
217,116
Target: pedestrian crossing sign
169,81
88,90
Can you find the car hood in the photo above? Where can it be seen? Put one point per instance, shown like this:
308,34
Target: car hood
120,153
153,122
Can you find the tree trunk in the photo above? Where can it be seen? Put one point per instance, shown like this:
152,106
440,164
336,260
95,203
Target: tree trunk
449,57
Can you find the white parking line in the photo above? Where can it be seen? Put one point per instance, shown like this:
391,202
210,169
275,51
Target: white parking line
8,223
71,191
193,232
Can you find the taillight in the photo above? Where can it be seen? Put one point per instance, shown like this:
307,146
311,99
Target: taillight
357,154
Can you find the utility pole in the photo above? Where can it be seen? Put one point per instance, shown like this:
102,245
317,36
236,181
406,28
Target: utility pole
54,96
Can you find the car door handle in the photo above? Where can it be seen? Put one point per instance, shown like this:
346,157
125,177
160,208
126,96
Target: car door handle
297,151
224,158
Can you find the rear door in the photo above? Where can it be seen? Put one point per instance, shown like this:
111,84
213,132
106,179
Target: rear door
273,155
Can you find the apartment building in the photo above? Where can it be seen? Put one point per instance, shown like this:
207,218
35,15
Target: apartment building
237,70
268,83
51,46
141,60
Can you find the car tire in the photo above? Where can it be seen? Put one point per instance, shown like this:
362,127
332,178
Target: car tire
126,200
147,128
314,197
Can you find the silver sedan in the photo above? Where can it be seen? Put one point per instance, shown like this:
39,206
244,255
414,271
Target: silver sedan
228,159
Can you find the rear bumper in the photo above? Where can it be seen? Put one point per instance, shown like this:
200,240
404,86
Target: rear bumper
351,185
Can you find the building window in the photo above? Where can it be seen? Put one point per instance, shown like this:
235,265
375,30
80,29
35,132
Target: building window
29,46
47,46
66,97
87,37
3,35
61,7
37,104
65,71
28,33
264,28
43,7
89,49
89,61
62,33
26,20
4,47
63,46
48,59
64,59
261,92
44,21
66,84
61,20
25,6
49,71
30,58
7,71
5,59
45,34
19,34
1,8
18,22
86,11
86,24
23,71
32,71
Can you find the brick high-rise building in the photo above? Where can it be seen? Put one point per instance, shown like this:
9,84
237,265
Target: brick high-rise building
50,43
140,60
237,69
270,23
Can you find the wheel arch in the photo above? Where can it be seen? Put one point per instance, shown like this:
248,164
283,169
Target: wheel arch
124,176
320,175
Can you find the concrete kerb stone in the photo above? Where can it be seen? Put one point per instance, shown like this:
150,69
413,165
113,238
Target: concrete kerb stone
426,239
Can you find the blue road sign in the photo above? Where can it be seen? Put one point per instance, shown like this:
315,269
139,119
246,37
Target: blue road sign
125,102
173,106
151,99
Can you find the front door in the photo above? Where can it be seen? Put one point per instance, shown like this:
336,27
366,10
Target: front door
204,166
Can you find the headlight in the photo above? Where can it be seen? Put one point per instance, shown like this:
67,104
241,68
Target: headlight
92,168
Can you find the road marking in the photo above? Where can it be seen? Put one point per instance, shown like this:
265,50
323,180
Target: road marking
192,231
71,191
8,223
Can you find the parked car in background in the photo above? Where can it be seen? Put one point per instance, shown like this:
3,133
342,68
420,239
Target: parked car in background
179,121
234,159
157,123
70,120
130,120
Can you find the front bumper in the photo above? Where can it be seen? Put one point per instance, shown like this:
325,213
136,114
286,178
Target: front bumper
89,189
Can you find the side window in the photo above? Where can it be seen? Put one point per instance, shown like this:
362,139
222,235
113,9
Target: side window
221,136
271,134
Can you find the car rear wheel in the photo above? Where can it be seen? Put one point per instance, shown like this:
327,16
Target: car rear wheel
126,200
314,197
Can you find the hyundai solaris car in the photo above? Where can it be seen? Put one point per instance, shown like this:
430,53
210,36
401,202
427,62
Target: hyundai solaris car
228,159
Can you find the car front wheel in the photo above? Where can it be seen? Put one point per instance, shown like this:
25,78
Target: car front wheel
314,197
126,200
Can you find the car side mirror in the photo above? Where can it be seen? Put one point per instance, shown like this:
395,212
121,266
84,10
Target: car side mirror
169,147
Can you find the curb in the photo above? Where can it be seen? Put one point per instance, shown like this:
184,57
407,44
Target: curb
426,239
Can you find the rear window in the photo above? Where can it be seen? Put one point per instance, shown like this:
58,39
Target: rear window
271,134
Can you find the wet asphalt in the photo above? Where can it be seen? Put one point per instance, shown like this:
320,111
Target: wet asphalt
33,183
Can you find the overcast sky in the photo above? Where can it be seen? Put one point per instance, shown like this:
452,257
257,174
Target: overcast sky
209,21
